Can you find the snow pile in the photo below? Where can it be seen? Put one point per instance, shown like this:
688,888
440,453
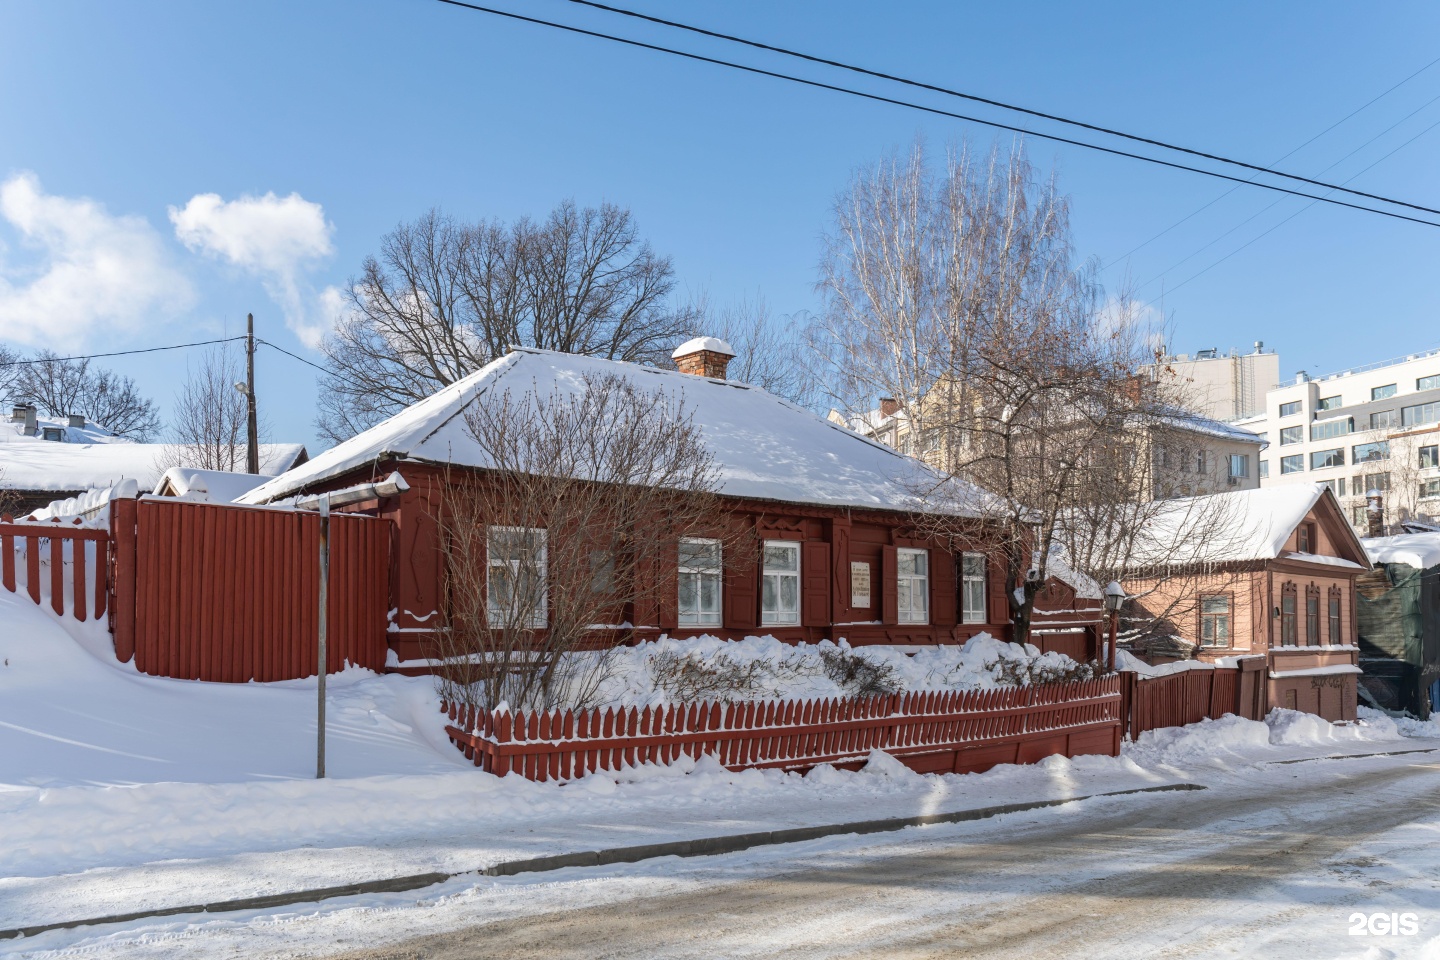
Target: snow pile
1293,729
1419,550
769,669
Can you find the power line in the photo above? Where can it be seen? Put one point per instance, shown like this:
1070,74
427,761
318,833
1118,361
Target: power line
994,103
1364,106
878,98
295,356
119,353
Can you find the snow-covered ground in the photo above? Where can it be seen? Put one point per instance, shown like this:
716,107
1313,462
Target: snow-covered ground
121,793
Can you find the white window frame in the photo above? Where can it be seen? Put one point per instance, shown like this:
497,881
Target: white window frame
777,617
909,586
968,613
500,618
699,572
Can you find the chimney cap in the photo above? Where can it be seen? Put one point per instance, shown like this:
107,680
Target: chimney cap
696,344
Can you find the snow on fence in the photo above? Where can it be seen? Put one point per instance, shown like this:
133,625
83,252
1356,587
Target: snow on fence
1176,699
62,564
946,731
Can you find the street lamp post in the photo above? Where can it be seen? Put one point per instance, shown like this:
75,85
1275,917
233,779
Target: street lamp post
1114,597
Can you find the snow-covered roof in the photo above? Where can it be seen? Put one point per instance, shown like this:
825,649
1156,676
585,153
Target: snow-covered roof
1419,550
1178,419
763,447
1238,526
30,463
696,344
218,486
13,431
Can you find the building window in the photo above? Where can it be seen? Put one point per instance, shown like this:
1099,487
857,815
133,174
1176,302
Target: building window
1370,452
1305,538
1429,489
1383,420
1290,409
1430,456
1264,469
1287,615
1328,429
1321,459
1293,464
972,588
1382,393
912,586
1357,515
517,587
1215,621
1335,638
1239,465
1420,413
1312,616
1336,486
1428,383
1202,461
700,577
780,584
1292,435
1373,481
1328,403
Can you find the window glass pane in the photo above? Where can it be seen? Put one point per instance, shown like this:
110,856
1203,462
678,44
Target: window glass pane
790,593
1383,419
1374,481
1328,403
1381,393
1428,383
1332,428
1321,459
1292,464
709,593
1292,435
1363,452
688,596
1429,456
974,564
1239,465
770,594
1430,488
1290,409
1420,413
1264,469
905,562
1215,605
782,556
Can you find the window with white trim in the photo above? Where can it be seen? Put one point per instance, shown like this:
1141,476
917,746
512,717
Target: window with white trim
780,584
972,588
700,579
1215,621
912,585
517,587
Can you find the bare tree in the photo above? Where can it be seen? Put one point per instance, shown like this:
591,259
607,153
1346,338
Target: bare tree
768,351
586,501
9,371
61,387
445,297
210,415
959,294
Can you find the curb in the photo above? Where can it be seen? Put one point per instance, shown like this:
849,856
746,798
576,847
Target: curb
1355,756
703,847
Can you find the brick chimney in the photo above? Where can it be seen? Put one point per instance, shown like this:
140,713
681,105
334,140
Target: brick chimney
703,357
1374,514
889,406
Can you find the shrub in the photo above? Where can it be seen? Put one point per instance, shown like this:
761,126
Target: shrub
690,677
858,675
1017,672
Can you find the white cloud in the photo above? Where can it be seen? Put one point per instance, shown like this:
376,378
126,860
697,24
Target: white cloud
277,239
96,272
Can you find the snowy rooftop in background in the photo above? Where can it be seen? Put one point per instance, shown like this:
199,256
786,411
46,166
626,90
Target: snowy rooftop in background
696,344
1179,419
30,463
1419,550
764,447
13,432
212,486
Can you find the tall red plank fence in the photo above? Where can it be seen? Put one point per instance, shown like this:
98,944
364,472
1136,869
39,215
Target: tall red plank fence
1177,699
56,564
946,732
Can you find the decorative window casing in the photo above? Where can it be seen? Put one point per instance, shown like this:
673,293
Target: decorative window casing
1215,621
1336,627
701,581
972,588
1312,616
517,581
780,584
912,585
1288,634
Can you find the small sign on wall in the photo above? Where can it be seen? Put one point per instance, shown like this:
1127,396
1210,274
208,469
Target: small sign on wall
859,584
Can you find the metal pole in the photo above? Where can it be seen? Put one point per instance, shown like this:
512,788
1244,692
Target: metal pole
320,659
1114,623
252,432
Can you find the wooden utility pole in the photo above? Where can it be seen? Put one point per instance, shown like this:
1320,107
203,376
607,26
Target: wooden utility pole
252,432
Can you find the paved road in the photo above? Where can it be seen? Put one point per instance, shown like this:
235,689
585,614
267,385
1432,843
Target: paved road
1255,870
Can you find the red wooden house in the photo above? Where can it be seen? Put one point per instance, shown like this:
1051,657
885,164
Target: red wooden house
835,512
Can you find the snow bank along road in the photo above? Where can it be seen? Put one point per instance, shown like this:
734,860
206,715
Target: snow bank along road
1273,868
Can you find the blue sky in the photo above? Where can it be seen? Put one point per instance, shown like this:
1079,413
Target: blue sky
371,111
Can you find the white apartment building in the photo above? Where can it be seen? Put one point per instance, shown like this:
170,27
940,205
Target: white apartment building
1375,427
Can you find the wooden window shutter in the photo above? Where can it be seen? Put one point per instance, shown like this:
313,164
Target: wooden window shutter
667,576
889,591
815,584
741,599
942,588
998,608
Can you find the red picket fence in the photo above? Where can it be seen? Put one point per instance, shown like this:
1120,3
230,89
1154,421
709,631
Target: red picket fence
230,593
1194,695
63,563
947,732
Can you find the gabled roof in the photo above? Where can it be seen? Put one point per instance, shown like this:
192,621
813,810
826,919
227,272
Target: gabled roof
30,463
1243,526
217,486
764,447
